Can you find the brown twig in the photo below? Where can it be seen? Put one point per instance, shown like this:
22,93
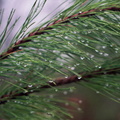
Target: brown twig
15,47
85,76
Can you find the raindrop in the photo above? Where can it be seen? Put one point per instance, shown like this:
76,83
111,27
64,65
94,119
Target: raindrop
107,85
85,25
66,103
51,96
66,37
18,63
82,58
106,54
74,32
61,64
71,90
77,64
45,109
32,112
91,56
79,109
50,61
19,73
103,47
99,66
82,41
116,49
54,51
97,29
66,76
86,44
20,84
25,91
89,31
25,65
31,90
72,68
79,77
119,99
97,92
101,53
30,85
40,53
56,90
80,101
65,92
79,37
51,81
96,50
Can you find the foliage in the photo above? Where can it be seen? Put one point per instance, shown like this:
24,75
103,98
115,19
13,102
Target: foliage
81,43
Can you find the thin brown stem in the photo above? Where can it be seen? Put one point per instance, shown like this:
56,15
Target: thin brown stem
15,47
85,76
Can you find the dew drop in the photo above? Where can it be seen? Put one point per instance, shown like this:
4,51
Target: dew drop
96,51
79,37
97,29
91,56
30,85
86,44
54,51
72,68
103,47
20,84
79,77
107,85
77,64
66,103
50,61
101,53
66,37
85,25
66,76
89,31
56,90
99,66
25,65
82,41
80,101
82,58
119,99
51,96
71,90
79,109
19,73
51,81
65,92
32,112
74,32
106,54
61,64
40,53
97,92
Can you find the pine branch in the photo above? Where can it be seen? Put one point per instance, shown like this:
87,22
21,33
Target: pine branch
15,47
85,76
